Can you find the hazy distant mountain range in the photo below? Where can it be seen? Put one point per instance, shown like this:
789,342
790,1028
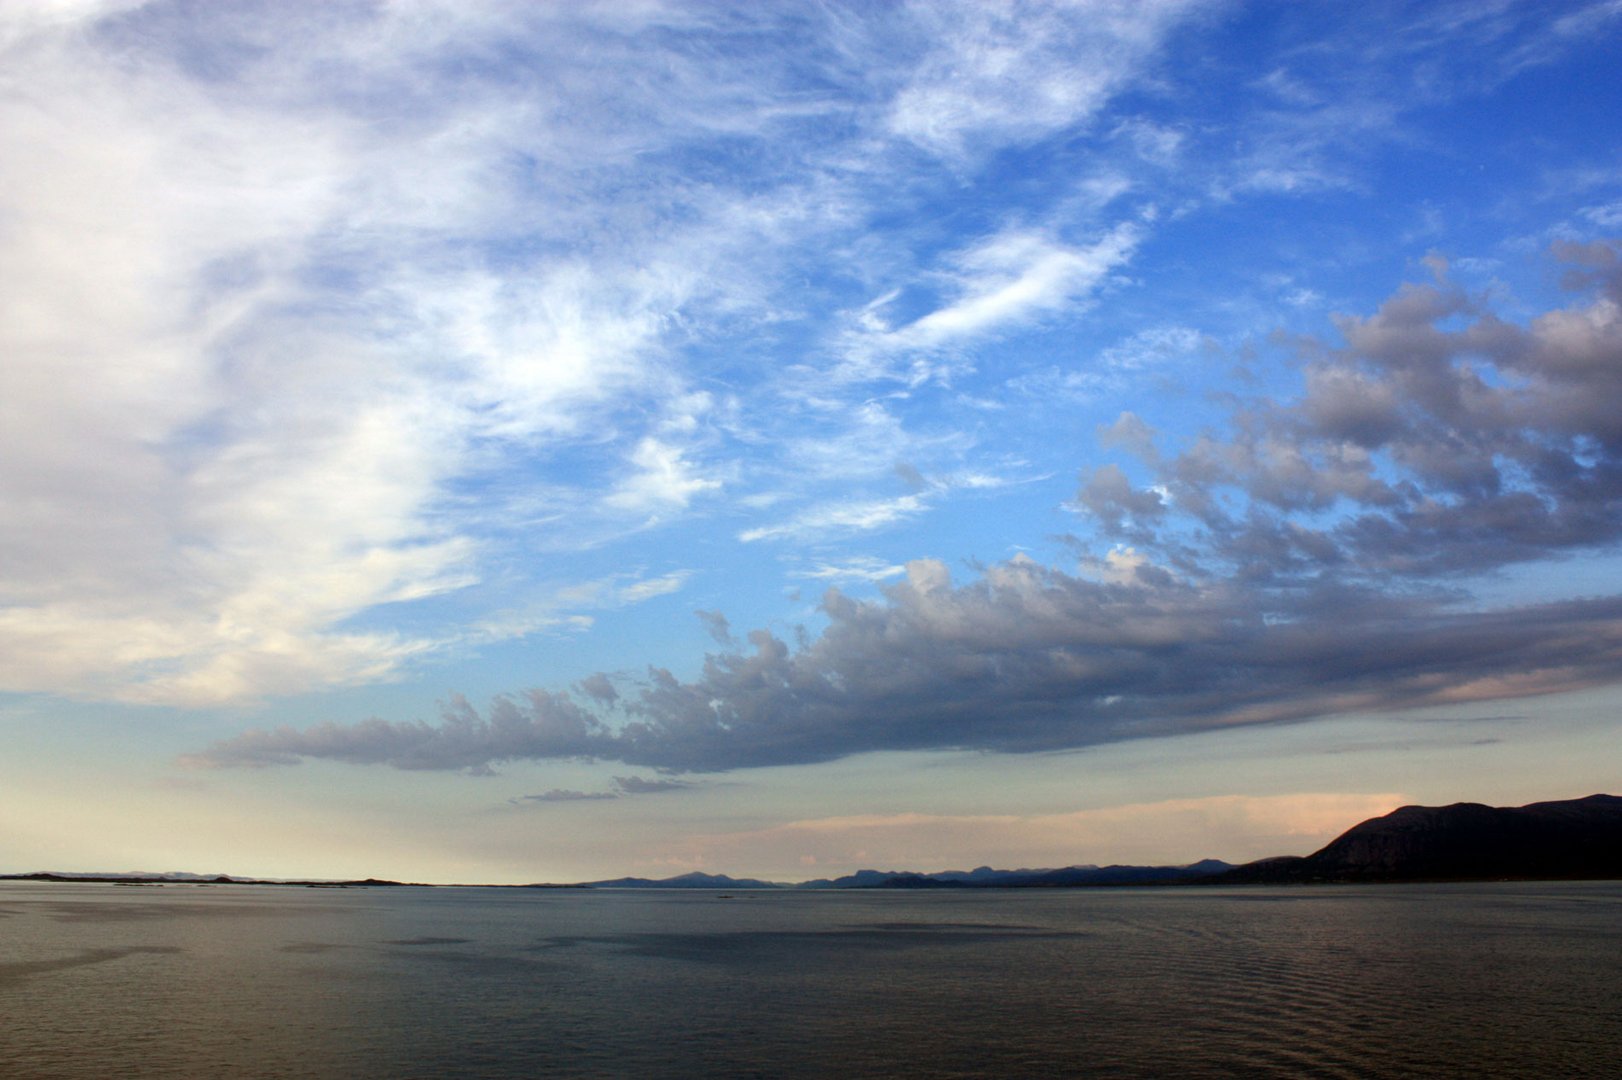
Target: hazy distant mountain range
1571,839
983,877
1574,839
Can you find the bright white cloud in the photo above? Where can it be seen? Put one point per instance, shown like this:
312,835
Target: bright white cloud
1008,279
660,586
854,568
841,517
996,72
272,323
217,454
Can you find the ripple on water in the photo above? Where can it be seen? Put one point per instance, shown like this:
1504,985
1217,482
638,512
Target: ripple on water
1502,981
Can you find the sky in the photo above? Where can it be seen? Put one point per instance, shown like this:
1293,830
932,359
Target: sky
509,442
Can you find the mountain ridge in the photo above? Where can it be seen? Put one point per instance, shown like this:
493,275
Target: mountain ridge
1571,839
1568,839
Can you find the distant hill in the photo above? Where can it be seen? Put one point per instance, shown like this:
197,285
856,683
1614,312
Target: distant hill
1569,840
1575,839
985,877
980,877
694,880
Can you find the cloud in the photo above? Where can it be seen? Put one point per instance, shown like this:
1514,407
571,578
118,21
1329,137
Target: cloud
297,292
1436,441
1311,562
1114,368
856,515
716,625
562,795
838,462
649,588
841,470
1152,348
1005,280
1314,122
599,687
852,568
254,345
547,609
664,478
623,786
1026,659
537,725
641,785
1017,72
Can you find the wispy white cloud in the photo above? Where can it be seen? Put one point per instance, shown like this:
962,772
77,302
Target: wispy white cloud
665,479
257,337
1113,368
862,515
853,568
566,608
274,321
1004,281
648,589
1019,71
839,515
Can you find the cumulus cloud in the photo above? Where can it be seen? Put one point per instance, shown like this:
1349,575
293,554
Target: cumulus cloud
1027,658
538,724
717,626
1312,560
599,687
1436,440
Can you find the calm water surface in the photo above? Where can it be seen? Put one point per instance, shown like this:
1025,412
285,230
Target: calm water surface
1469,981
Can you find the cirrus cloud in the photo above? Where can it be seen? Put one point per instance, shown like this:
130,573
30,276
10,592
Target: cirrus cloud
289,285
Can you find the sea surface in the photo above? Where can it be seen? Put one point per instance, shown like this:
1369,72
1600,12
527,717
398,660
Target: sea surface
1499,980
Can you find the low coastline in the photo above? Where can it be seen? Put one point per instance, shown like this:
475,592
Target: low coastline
1565,840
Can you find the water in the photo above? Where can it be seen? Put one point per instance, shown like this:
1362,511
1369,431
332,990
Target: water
1512,980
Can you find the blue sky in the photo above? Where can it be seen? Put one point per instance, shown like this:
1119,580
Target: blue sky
521,442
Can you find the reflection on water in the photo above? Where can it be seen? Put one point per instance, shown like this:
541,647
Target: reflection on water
1485,980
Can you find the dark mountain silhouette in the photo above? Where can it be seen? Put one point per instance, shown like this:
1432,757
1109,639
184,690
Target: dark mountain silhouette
1569,840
